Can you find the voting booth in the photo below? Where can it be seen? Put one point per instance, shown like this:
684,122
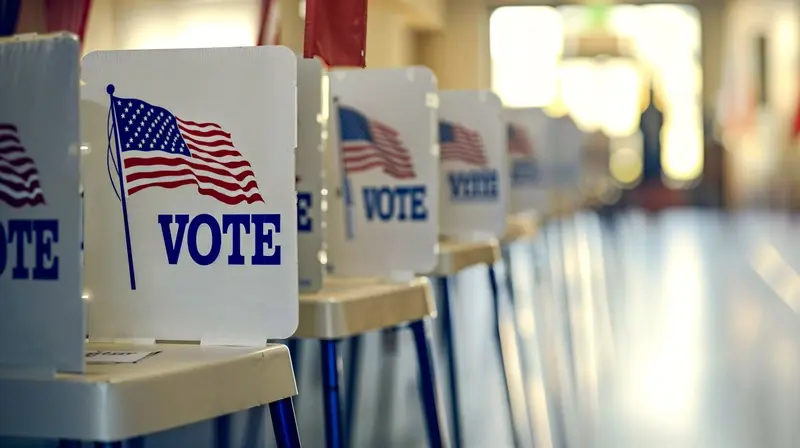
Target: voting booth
383,172
474,192
526,129
312,130
190,265
41,313
380,203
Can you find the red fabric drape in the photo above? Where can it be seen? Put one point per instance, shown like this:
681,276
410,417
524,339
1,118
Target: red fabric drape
270,29
67,15
336,31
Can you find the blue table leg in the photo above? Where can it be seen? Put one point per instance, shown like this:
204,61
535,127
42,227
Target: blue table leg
331,360
284,423
434,419
137,442
452,365
351,388
69,444
499,336
108,445
222,431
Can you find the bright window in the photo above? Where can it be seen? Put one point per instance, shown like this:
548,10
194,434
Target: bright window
527,44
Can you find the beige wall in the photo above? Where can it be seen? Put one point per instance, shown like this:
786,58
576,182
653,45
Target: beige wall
449,36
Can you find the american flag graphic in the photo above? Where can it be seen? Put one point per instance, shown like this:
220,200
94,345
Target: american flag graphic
161,150
368,144
519,144
19,178
458,143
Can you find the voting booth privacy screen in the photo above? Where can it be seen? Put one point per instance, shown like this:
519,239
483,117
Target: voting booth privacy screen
191,229
383,172
312,119
526,129
41,310
474,178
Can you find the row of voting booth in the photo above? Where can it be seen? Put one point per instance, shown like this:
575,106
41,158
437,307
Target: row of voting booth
166,213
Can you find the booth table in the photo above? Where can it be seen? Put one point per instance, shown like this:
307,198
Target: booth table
347,308
180,385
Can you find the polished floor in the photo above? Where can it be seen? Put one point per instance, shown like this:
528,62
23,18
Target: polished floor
685,335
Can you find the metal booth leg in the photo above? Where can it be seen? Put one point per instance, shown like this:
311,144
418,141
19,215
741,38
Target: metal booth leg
284,423
434,419
351,389
108,445
331,360
505,363
69,444
448,335
222,431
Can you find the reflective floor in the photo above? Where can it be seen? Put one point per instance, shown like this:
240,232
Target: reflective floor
684,335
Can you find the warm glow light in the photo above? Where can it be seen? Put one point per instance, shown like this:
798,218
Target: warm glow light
626,165
525,44
682,153
607,95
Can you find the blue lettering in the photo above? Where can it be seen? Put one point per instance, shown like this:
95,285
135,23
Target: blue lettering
236,222
418,210
46,233
401,203
371,202
234,225
524,172
304,203
264,237
43,235
216,239
473,185
173,246
21,231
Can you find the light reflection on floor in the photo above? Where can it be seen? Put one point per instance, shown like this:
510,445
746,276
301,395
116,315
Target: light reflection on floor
706,338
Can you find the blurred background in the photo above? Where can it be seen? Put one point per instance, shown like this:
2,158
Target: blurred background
688,103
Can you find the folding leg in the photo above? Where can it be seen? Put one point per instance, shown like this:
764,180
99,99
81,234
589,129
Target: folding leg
284,423
434,419
331,360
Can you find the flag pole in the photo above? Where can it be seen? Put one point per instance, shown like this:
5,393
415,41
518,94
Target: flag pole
123,195
348,198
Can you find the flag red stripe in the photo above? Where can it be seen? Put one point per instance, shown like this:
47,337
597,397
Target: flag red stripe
11,149
198,124
18,186
392,151
355,152
213,144
231,186
17,162
4,138
229,200
218,153
19,202
206,134
134,162
24,175
395,174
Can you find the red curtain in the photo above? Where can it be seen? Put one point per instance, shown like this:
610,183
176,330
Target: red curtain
336,31
270,31
67,15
